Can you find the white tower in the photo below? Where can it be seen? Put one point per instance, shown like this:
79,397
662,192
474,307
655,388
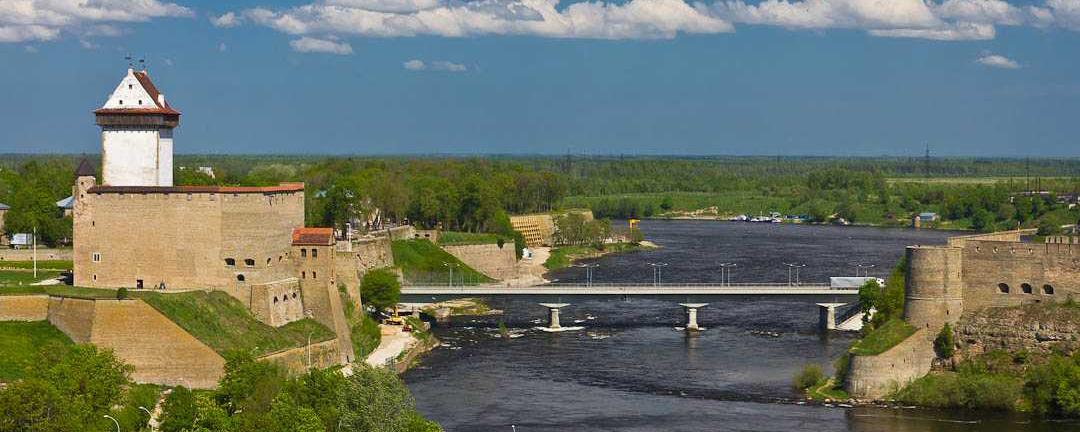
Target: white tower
137,134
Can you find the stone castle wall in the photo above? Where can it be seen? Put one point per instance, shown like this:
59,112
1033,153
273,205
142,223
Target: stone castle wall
934,292
161,351
321,296
7,254
490,259
24,308
322,355
183,239
874,377
1033,329
277,303
1006,274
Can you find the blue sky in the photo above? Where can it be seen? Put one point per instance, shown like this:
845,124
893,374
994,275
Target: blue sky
808,77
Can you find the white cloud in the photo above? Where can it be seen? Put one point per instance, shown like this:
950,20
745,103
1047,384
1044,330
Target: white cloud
222,47
87,44
229,19
315,45
1062,13
634,19
997,61
44,20
438,65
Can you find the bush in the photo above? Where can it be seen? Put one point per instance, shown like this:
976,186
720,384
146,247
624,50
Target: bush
808,377
121,293
944,345
967,389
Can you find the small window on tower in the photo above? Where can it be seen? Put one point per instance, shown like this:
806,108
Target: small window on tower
140,101
96,257
121,101
129,86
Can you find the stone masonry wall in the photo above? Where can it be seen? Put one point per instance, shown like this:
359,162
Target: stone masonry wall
323,355
1036,329
489,259
1030,272
277,303
874,377
161,351
320,292
74,317
201,230
24,308
352,260
28,254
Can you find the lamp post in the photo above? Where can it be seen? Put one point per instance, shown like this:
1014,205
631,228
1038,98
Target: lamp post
658,273
114,422
588,272
725,269
864,267
796,267
451,266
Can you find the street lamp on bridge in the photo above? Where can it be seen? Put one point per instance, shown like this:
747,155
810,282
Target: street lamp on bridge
725,273
796,267
864,267
451,266
658,273
588,271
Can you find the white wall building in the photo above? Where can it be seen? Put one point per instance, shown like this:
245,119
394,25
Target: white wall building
137,134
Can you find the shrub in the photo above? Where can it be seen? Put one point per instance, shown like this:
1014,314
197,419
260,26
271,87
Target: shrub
809,376
944,345
121,293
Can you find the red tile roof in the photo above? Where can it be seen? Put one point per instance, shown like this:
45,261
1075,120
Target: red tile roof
284,187
313,236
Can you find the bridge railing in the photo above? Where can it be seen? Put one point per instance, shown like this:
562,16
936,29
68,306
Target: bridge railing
686,284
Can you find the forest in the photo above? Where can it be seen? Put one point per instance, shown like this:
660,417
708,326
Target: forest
476,194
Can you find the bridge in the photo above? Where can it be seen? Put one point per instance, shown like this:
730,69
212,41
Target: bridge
692,295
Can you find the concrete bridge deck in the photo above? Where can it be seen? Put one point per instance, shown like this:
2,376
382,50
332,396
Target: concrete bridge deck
623,289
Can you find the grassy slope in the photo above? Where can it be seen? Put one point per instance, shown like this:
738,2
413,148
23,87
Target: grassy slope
363,329
224,324
20,343
16,278
42,264
882,338
421,260
467,238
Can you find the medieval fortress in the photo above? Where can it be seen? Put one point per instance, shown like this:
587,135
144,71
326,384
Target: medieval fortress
947,283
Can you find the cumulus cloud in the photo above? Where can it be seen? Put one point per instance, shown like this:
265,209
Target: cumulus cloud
634,19
438,65
314,45
997,61
658,19
229,19
41,20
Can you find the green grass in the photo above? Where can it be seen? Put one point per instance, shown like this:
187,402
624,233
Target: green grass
454,238
22,277
882,338
224,324
827,389
128,414
422,261
563,256
42,264
21,343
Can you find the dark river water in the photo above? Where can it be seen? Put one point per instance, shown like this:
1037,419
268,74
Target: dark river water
630,370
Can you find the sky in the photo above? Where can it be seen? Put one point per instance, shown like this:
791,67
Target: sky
635,77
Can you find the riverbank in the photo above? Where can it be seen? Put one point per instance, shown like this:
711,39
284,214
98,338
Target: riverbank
565,256
398,350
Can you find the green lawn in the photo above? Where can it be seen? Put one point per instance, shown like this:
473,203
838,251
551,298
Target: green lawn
20,344
422,262
9,278
224,324
41,264
882,338
467,238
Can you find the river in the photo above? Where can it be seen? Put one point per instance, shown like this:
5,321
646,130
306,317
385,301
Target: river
630,370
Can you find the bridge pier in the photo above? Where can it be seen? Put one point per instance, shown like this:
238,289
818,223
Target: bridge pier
691,315
827,315
553,322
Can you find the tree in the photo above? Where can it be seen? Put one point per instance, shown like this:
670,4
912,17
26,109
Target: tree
375,400
380,288
288,416
944,344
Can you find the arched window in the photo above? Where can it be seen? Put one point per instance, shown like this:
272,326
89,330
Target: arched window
275,299
1048,289
293,295
314,275
303,275
230,262
250,262
1026,288
314,253
303,253
240,278
1003,288
268,262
